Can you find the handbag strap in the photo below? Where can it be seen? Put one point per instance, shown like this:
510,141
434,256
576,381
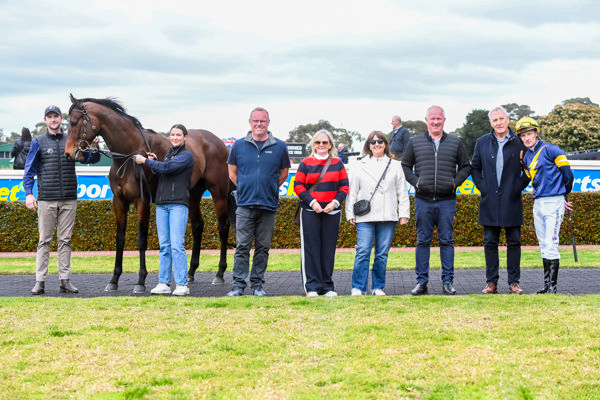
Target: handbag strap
380,179
313,187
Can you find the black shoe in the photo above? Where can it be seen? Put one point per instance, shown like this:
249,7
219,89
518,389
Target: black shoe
448,289
420,289
67,287
38,288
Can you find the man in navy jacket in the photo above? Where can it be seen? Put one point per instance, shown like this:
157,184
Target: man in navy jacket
258,165
497,173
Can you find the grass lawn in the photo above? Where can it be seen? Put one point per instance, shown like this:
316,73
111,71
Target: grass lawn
398,260
401,347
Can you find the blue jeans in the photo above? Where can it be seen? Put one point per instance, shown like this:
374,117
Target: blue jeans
258,225
439,214
383,234
171,222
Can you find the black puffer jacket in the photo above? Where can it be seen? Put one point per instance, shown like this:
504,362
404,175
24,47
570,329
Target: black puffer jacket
56,175
437,173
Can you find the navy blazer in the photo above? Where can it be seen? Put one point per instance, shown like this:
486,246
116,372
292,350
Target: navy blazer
499,205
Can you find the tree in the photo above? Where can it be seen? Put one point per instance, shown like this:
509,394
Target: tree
477,124
516,112
573,126
579,100
415,127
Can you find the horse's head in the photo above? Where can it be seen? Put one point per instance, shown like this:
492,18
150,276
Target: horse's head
82,130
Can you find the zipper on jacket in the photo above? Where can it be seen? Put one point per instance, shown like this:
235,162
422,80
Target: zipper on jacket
60,169
435,170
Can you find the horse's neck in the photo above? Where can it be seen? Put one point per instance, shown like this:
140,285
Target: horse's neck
124,140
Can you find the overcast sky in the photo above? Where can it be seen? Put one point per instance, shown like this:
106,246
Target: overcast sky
353,63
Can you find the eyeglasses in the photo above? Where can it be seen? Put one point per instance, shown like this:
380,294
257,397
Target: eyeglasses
376,141
258,121
317,142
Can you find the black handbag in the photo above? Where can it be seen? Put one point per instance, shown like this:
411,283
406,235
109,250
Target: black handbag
313,187
363,207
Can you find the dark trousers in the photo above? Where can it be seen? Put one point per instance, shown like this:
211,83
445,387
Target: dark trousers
252,224
491,236
318,235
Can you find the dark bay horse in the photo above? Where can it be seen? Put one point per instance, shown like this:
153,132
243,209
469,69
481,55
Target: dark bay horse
135,184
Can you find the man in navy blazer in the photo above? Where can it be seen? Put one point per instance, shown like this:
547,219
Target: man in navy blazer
498,174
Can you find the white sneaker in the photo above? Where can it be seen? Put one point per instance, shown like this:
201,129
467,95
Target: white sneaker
356,292
331,293
312,294
378,292
181,290
161,288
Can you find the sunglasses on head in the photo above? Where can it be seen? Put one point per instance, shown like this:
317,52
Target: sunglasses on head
318,142
376,141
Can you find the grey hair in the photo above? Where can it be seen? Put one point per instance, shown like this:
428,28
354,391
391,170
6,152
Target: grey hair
432,107
397,118
332,149
499,108
259,109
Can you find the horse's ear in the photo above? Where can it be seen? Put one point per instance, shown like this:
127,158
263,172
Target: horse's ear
73,99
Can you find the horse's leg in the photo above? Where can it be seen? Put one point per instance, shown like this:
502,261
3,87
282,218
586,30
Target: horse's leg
197,223
220,200
143,211
120,209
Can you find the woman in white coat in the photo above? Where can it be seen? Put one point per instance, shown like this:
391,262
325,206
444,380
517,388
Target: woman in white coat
389,203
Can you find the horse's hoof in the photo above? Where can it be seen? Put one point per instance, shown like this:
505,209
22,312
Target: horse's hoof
190,278
139,289
218,281
111,287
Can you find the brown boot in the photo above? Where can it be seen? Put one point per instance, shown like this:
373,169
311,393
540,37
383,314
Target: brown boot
490,288
67,287
515,288
38,288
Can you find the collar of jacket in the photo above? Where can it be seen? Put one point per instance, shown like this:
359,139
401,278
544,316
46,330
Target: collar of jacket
270,140
444,134
511,135
53,135
173,151
537,146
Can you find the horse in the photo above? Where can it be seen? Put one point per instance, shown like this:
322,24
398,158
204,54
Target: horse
135,184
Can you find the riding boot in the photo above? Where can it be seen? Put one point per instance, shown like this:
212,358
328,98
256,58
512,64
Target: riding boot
554,264
67,287
546,277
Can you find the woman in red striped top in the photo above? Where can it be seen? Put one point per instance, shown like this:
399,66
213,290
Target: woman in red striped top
320,214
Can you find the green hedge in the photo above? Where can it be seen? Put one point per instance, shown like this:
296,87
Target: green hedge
95,226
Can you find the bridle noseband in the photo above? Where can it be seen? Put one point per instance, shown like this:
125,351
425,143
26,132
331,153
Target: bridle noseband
80,146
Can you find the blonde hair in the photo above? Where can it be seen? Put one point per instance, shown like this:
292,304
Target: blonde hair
323,132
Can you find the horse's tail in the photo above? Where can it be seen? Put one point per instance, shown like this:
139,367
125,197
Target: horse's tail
231,203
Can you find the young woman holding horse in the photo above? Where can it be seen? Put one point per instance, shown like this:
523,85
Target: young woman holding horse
172,207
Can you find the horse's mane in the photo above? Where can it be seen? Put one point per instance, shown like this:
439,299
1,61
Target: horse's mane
114,105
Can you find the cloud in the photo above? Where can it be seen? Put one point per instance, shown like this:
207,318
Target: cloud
324,59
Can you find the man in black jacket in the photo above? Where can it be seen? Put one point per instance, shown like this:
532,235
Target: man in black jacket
399,137
436,164
498,175
56,201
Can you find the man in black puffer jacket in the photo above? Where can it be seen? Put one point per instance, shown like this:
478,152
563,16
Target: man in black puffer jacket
441,165
56,201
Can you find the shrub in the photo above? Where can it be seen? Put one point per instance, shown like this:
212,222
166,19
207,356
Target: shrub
95,226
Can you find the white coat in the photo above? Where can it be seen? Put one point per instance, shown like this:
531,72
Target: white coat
390,202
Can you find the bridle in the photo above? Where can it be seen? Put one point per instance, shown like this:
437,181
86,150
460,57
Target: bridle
84,145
